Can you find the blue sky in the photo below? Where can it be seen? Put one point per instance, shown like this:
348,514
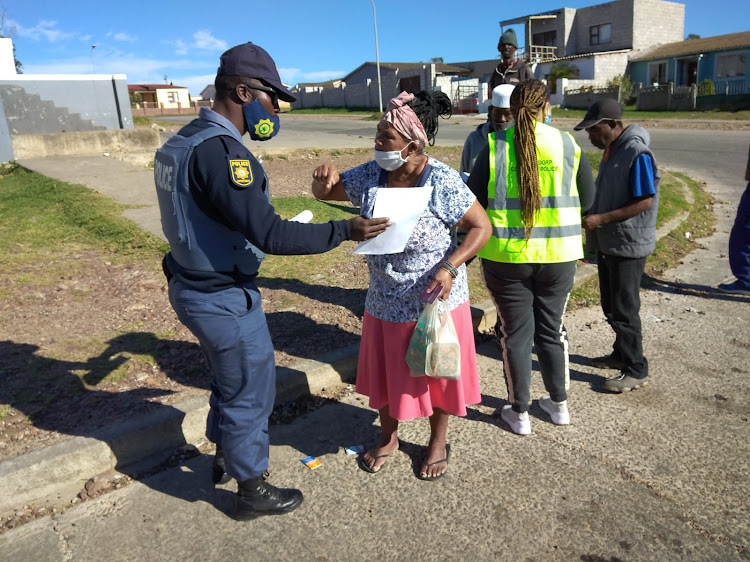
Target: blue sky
310,41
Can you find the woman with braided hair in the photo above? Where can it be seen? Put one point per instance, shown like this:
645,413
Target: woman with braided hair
534,182
429,260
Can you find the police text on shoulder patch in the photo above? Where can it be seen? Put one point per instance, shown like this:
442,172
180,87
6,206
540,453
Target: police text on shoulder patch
241,172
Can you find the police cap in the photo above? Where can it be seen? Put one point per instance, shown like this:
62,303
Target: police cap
253,61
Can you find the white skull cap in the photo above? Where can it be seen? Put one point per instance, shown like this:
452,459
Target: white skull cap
501,95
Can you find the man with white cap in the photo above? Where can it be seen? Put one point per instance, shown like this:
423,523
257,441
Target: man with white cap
499,119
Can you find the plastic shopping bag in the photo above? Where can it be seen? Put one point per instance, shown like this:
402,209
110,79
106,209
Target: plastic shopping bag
434,349
424,331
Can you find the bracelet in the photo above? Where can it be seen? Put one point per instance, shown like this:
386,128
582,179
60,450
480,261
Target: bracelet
450,268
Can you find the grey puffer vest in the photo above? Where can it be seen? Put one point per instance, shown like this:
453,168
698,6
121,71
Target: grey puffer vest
634,237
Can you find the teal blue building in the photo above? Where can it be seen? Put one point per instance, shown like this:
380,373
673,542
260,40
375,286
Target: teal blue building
722,59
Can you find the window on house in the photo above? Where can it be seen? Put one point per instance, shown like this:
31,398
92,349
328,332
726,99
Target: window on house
731,65
546,39
657,73
172,97
601,34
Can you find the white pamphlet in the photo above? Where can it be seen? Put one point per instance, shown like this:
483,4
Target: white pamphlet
404,206
304,216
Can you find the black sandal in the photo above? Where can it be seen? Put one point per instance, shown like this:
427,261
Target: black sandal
445,460
364,466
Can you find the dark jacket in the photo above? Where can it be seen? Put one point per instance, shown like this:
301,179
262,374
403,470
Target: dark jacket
518,72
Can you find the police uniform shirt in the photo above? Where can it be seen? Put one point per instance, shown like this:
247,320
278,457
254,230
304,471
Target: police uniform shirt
229,185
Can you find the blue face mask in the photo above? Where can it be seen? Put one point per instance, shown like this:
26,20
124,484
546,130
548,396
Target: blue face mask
261,125
548,119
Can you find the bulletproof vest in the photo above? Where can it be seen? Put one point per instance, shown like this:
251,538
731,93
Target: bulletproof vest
197,241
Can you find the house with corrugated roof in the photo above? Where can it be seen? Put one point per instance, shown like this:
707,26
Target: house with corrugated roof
362,88
722,59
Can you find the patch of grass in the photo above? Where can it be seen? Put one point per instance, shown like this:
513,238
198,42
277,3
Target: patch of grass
630,114
682,240
336,153
283,157
303,267
145,121
37,212
672,199
586,294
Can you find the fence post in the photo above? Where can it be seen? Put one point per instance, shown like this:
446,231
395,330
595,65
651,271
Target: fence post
670,90
693,96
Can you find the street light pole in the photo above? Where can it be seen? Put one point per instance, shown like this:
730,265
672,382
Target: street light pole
93,67
377,55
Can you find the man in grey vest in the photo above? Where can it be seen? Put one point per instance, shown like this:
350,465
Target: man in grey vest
218,219
622,221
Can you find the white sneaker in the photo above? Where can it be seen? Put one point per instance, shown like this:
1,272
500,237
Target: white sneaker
519,423
558,411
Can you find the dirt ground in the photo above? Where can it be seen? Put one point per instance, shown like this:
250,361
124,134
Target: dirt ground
101,344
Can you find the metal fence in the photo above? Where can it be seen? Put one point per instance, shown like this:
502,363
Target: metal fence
724,95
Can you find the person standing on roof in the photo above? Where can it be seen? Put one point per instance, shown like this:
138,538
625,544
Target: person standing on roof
511,70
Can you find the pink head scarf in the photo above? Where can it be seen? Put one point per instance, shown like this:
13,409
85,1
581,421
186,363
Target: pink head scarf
404,120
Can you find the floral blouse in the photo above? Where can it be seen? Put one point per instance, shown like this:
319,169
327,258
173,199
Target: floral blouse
397,280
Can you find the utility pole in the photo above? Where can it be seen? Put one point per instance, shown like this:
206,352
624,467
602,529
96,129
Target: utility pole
377,56
93,67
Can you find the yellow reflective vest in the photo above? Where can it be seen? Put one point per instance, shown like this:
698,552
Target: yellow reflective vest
556,236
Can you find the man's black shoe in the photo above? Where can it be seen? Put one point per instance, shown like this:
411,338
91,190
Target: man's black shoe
607,362
255,497
220,475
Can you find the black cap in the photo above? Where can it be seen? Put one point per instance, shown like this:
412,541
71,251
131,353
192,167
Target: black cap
602,110
254,62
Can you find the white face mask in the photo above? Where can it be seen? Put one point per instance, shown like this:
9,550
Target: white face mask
391,160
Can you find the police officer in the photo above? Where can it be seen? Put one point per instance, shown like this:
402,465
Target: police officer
218,219
534,181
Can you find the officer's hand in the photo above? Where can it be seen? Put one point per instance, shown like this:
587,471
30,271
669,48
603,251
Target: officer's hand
361,228
325,177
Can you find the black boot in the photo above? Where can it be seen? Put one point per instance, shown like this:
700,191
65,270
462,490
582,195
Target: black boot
220,475
255,497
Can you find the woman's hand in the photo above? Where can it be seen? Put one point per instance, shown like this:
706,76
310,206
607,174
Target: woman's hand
326,183
442,277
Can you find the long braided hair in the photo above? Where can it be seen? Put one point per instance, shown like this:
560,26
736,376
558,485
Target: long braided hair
429,106
525,102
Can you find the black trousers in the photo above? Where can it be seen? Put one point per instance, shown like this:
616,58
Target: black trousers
619,285
530,300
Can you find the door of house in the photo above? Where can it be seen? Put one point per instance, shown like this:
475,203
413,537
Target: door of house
688,72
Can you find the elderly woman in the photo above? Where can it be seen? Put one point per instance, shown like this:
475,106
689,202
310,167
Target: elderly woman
429,259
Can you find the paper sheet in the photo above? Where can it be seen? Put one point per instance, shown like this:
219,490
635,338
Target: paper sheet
404,206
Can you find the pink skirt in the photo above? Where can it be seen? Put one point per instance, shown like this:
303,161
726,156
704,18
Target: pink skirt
383,375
